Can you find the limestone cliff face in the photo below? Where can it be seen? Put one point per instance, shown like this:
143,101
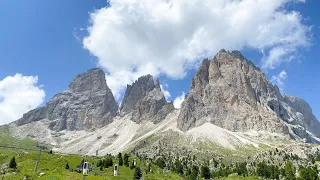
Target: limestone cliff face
87,104
300,113
229,91
145,100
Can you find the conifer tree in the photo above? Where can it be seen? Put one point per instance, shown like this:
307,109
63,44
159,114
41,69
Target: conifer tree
137,173
13,163
126,159
290,171
67,166
205,172
120,159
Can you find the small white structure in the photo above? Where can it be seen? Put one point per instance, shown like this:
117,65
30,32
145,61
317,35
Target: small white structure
134,162
85,169
115,170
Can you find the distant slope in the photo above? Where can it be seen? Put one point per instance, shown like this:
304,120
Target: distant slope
7,140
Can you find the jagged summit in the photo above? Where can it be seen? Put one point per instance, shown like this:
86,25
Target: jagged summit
87,104
229,91
135,92
145,100
92,80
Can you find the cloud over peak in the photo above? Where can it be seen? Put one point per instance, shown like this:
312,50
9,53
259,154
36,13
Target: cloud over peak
132,38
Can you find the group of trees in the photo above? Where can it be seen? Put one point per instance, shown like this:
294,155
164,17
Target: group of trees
105,163
161,162
308,173
267,171
190,169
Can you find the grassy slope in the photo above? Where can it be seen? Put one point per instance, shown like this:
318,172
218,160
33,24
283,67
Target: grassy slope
53,165
57,162
7,140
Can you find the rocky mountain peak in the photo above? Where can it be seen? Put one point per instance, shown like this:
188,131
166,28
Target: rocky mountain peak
229,91
92,80
158,84
87,104
145,100
139,89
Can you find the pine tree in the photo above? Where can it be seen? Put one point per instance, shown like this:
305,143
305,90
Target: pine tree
120,159
13,163
188,172
313,173
126,159
303,173
194,172
161,163
67,166
290,171
137,173
178,168
99,163
205,172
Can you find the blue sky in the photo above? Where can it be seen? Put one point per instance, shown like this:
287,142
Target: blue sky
45,39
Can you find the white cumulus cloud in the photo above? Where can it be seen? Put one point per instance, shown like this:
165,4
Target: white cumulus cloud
137,37
178,100
279,79
18,95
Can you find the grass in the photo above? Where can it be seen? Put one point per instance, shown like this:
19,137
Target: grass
53,165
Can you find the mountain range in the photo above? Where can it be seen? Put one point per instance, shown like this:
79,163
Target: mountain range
231,105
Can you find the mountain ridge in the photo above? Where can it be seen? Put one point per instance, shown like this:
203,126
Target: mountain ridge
229,98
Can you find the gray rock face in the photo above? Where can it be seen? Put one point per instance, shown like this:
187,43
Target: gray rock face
87,104
229,91
302,115
145,100
93,80
135,92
